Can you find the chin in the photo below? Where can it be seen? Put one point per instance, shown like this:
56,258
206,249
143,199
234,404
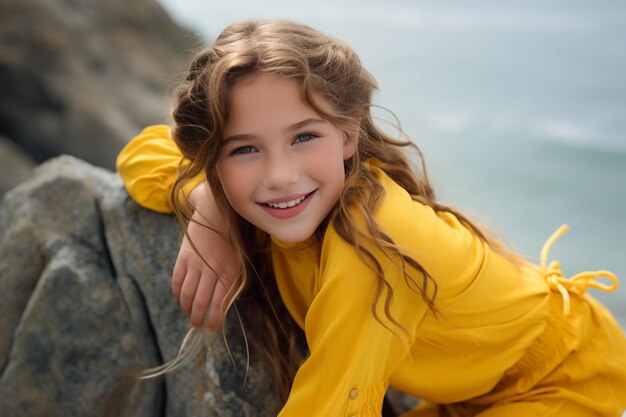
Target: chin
293,237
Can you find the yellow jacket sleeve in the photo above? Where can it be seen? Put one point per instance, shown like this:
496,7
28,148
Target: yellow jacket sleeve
149,165
352,355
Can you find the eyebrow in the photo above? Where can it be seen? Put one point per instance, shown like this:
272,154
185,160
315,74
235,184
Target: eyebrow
290,128
302,124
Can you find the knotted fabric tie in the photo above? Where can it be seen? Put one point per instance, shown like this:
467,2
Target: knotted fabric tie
577,284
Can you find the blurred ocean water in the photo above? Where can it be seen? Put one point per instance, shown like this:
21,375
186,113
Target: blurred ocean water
519,108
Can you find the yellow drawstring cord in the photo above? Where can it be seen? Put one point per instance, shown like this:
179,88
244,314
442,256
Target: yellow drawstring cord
577,284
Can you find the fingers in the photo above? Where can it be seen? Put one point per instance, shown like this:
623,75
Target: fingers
214,317
188,291
196,287
203,296
178,277
195,279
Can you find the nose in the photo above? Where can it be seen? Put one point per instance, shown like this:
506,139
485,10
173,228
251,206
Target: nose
280,171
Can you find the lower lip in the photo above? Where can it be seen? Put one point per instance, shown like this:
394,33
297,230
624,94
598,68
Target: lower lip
289,212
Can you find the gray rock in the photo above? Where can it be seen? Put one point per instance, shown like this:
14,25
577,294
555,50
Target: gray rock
83,77
86,300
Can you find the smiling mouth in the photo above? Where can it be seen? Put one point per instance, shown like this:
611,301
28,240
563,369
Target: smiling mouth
288,204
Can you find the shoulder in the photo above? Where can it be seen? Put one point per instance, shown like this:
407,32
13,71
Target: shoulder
397,215
403,219
438,240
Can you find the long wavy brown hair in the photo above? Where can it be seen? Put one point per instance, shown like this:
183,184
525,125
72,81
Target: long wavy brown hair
323,66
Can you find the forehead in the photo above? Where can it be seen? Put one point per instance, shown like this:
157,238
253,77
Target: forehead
267,102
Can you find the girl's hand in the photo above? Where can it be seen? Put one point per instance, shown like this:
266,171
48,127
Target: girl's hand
200,289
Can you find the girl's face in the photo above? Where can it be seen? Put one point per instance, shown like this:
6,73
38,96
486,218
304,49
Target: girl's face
281,164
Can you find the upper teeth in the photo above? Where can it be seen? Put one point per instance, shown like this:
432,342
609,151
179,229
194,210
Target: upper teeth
286,203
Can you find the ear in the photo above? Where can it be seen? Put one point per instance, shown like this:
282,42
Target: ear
351,138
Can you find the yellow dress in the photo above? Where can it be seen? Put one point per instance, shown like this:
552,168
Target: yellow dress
509,341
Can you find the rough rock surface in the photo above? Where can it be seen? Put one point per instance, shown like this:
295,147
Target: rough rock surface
85,279
82,77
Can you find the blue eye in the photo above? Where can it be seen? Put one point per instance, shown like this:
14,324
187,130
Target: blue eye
304,137
243,150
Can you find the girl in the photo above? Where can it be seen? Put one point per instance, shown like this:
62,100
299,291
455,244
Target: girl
337,236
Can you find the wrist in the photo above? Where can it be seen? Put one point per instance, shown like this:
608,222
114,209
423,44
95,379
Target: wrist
204,204
198,193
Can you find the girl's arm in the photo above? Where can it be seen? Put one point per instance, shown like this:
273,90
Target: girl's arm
352,355
148,165
201,287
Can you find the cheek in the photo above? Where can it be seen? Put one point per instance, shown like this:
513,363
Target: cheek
328,169
237,183
328,155
228,179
